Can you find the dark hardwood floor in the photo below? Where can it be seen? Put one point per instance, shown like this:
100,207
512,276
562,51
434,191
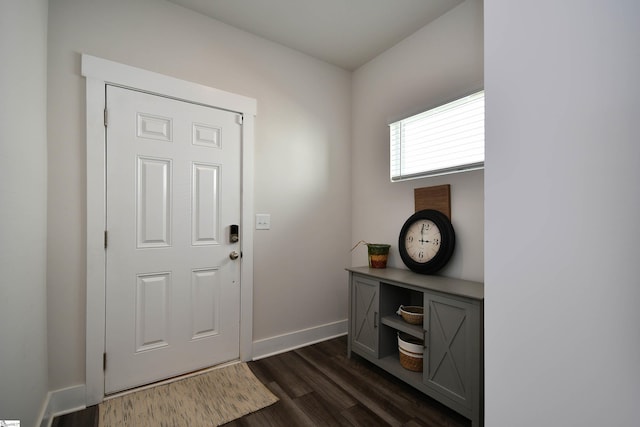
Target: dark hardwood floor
319,386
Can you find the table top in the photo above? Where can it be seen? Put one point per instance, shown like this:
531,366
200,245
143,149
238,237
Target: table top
460,287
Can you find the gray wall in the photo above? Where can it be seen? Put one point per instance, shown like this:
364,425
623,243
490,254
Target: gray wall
23,210
562,197
301,154
439,62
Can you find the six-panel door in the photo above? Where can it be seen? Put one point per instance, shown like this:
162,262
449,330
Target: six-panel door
173,190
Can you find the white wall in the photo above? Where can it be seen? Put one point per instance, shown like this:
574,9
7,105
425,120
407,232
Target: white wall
23,210
562,290
439,62
302,159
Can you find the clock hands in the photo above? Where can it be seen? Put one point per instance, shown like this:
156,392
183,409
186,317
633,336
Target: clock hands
422,240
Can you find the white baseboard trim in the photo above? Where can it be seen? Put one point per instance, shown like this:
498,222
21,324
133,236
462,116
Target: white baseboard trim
279,344
71,399
44,417
63,401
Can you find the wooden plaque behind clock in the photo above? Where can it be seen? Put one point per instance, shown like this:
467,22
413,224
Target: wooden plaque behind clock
437,198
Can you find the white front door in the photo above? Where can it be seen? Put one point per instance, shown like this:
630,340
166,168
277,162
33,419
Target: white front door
173,192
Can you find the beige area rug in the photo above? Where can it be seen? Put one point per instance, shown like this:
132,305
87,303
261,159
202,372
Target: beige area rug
209,399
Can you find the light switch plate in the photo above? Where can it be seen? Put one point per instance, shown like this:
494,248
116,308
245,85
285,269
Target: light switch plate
263,221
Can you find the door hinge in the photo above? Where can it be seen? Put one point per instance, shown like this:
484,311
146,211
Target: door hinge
104,361
241,119
106,117
105,239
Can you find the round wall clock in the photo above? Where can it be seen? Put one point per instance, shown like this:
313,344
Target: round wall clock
426,241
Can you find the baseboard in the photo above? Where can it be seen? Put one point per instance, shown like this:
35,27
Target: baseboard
290,341
44,417
71,399
63,401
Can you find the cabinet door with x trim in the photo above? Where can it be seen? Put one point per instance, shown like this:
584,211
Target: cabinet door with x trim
365,301
451,365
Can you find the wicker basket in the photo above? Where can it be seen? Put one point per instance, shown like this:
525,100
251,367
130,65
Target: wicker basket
411,352
412,314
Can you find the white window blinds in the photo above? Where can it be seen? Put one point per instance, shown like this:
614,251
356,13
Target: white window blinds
445,139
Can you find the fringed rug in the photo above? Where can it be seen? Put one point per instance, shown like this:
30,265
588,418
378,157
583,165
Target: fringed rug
209,399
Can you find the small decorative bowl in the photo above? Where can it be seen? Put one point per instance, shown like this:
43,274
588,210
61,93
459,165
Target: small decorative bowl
412,314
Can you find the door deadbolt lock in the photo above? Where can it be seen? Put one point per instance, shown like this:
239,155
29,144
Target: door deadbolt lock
233,234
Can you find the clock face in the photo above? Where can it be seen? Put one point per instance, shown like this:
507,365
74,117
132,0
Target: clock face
426,241
422,240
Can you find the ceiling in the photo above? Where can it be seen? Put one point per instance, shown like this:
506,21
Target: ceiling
346,33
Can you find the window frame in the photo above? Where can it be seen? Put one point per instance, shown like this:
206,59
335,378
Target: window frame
396,172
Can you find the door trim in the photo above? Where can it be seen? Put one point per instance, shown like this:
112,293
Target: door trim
98,73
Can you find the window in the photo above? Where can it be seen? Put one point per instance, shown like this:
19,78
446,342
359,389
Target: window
445,139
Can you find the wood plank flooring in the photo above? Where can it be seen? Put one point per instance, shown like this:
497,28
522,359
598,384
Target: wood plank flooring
319,386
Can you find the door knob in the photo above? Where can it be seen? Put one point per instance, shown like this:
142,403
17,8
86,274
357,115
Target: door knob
234,255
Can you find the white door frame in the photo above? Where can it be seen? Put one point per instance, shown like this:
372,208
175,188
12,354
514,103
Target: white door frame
99,72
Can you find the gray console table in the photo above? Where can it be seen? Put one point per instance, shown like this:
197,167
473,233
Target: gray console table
452,332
